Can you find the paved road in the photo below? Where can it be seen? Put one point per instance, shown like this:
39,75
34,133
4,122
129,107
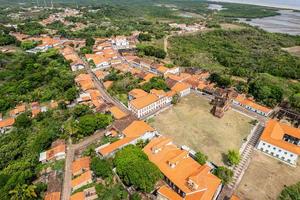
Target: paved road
66,191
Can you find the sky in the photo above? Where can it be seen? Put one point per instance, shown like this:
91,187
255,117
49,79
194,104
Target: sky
291,4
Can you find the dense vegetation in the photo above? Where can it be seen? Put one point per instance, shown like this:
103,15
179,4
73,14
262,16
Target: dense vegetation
5,38
151,51
135,169
244,52
157,83
31,28
122,84
290,192
34,77
250,53
246,11
21,147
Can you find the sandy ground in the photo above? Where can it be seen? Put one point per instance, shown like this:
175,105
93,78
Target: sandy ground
295,51
266,177
227,26
190,123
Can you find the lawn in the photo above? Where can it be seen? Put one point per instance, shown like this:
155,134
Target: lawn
266,177
190,123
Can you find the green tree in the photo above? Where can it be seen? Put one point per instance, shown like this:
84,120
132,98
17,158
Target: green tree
224,174
175,99
233,157
23,192
144,37
70,127
155,83
201,158
295,100
80,110
135,196
290,192
101,167
90,41
23,120
71,93
135,169
28,44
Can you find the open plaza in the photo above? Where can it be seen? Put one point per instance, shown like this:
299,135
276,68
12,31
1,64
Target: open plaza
190,123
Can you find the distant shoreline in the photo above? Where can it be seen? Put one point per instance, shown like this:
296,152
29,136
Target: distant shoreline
251,2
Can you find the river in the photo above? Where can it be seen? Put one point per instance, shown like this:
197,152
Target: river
289,4
287,22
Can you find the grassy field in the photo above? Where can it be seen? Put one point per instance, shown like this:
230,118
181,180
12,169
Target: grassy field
190,123
266,177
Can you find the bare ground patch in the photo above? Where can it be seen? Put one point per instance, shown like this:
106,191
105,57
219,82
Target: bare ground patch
295,51
266,177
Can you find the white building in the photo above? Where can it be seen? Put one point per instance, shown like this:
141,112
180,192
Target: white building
150,103
56,153
182,89
280,141
120,42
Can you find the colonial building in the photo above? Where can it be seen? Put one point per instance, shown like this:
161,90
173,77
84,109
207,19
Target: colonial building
137,130
280,141
252,106
184,177
150,103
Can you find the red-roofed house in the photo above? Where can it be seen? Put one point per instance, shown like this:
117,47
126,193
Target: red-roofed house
137,130
56,153
6,124
281,141
185,178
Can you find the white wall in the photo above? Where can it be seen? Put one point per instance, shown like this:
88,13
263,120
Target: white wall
277,152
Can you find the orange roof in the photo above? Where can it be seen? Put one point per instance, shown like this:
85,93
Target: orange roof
7,122
202,85
108,84
53,104
18,109
162,69
167,192
81,163
234,197
137,93
78,196
137,128
250,103
179,87
86,176
144,101
181,169
274,132
148,77
115,145
158,93
170,93
85,81
100,74
97,58
35,111
117,113
51,153
179,78
52,196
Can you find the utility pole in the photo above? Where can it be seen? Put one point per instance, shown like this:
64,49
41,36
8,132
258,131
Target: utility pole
45,4
51,3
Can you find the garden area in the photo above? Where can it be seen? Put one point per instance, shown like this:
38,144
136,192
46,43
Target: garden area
190,123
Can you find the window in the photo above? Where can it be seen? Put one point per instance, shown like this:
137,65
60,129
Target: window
277,155
291,155
264,144
261,149
268,145
279,150
274,148
285,153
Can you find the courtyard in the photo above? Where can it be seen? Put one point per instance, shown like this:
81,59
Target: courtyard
190,123
266,177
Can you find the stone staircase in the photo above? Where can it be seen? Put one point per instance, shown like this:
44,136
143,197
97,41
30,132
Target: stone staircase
240,169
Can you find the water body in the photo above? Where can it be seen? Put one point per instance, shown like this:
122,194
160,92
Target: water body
287,22
289,4
215,7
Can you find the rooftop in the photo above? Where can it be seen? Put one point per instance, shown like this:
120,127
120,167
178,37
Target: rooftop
144,101
137,93
117,112
81,163
86,176
274,132
195,180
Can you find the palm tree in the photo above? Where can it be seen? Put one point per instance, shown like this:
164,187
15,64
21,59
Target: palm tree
23,192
